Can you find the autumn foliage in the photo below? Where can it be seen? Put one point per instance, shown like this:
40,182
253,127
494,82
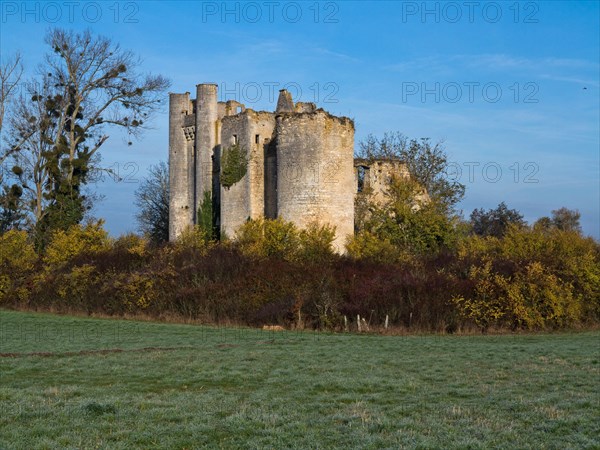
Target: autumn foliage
532,278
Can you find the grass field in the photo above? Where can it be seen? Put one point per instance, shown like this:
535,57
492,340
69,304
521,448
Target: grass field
95,383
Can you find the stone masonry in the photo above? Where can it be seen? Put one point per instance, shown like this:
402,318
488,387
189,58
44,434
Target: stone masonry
299,164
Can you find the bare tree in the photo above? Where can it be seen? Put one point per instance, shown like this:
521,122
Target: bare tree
30,157
11,71
86,86
97,86
152,199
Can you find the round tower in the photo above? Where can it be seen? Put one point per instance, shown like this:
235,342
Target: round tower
315,171
207,115
181,205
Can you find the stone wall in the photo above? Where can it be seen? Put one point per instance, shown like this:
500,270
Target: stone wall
261,128
300,167
181,203
315,171
252,131
378,174
234,199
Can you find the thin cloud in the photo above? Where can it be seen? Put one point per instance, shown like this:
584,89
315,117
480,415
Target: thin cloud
337,55
447,63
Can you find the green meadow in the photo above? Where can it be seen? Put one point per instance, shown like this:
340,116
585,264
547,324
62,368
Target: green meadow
71,382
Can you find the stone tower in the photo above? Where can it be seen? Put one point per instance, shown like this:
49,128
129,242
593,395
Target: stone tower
299,163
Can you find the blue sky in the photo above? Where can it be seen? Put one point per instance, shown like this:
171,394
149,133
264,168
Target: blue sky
513,88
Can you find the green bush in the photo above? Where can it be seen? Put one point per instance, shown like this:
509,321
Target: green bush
234,165
406,222
316,242
265,238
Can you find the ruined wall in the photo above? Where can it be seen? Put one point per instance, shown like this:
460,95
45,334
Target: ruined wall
300,164
378,174
234,199
181,201
246,199
261,128
315,171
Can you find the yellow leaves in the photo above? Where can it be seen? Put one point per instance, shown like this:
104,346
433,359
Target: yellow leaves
136,289
532,298
132,244
477,246
77,240
5,285
195,238
484,307
74,285
367,245
316,242
17,257
541,278
16,252
263,238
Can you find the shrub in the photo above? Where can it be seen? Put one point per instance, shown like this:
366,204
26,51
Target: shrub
73,286
368,246
316,242
234,165
532,298
132,244
193,238
76,240
265,238
17,260
531,278
276,274
137,290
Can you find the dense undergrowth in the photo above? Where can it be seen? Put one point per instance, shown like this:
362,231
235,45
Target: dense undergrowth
272,273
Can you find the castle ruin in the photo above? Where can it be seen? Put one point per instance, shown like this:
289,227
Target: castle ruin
296,163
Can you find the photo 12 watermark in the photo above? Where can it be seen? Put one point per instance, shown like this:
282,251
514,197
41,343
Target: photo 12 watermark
60,334
117,172
493,172
269,12
469,12
254,92
69,12
469,92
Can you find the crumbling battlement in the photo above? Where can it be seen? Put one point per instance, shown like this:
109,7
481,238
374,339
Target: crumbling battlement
296,163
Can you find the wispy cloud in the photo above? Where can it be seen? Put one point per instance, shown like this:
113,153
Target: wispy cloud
502,61
446,64
581,81
330,53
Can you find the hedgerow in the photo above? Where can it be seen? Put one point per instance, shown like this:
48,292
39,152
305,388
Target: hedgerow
274,273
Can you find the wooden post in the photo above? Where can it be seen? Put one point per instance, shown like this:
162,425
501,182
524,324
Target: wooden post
365,325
